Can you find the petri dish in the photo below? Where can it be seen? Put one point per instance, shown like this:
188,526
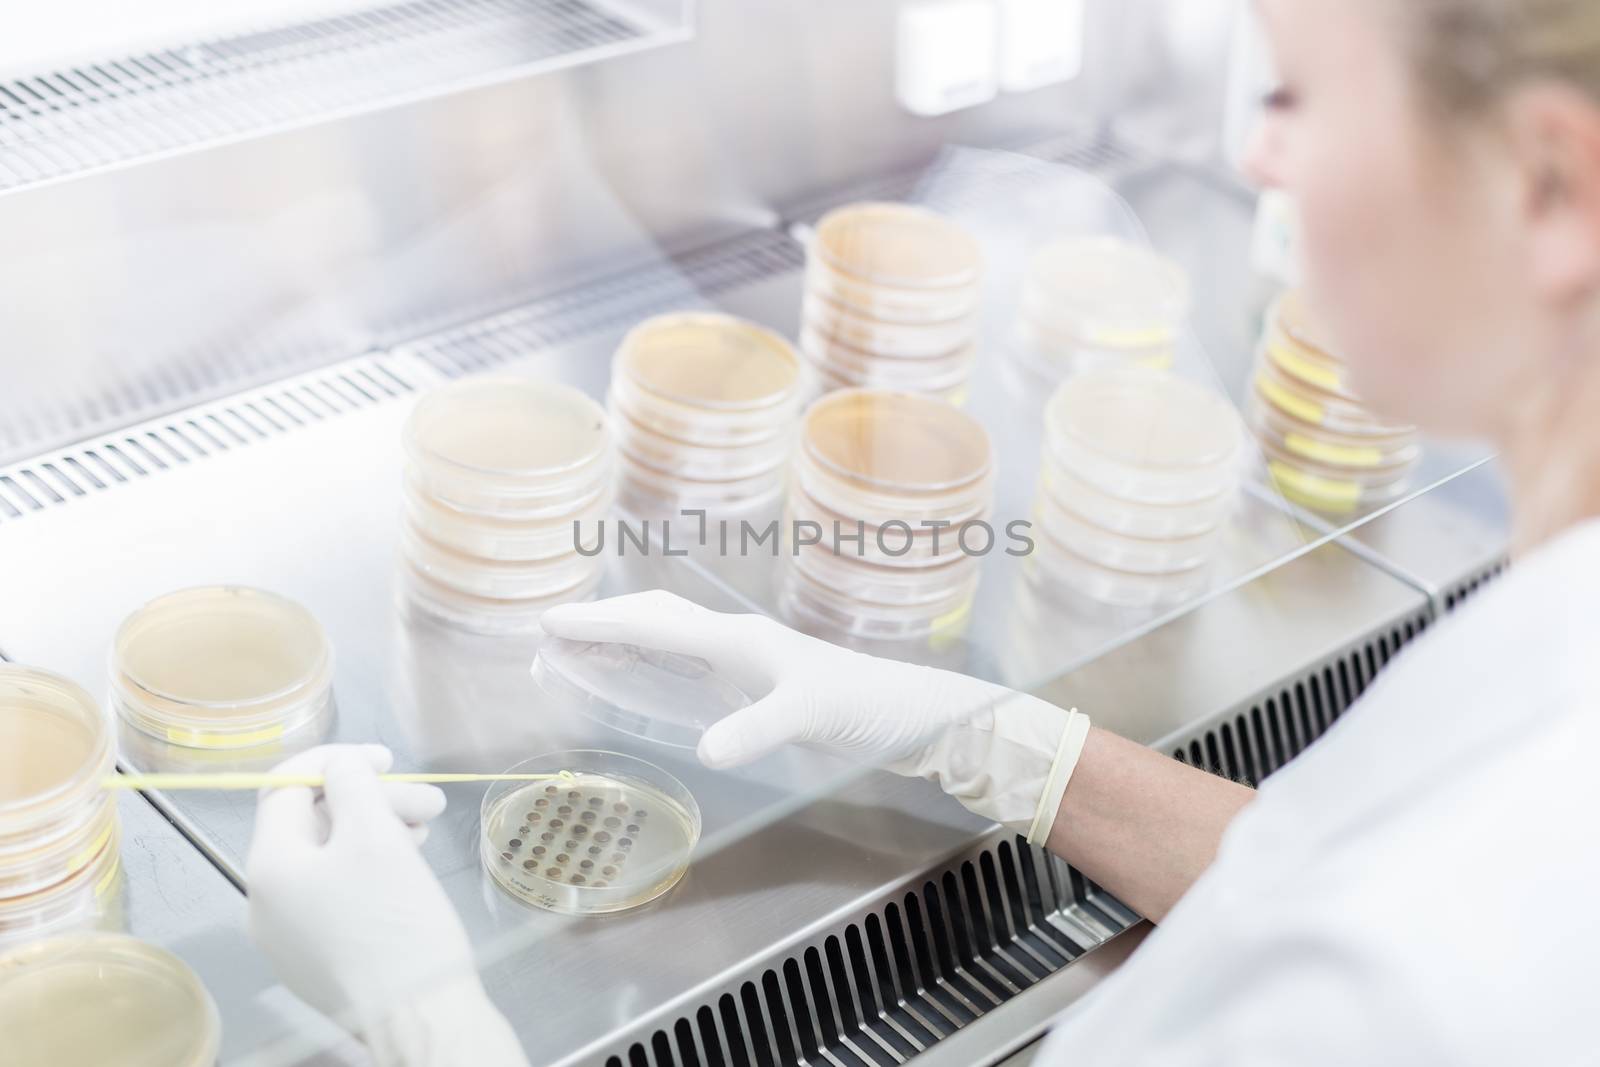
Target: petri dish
488,616
29,864
502,443
890,340
1129,517
1306,365
1293,314
880,544
702,425
937,374
104,1000
1332,490
643,692
1120,551
1144,436
1315,407
635,848
498,579
83,899
709,361
1055,567
221,667
896,442
497,537
648,448
900,245
1316,444
645,489
808,604
891,303
873,582
55,746
1050,350
1106,291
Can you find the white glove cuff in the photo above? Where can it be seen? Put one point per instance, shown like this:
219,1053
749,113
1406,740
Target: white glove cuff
1073,737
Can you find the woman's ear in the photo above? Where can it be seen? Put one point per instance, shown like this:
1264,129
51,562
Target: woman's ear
1555,134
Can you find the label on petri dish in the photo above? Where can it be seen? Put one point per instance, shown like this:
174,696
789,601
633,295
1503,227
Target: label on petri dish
1335,455
1301,408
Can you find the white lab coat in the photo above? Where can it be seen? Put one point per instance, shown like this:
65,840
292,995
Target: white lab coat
1422,886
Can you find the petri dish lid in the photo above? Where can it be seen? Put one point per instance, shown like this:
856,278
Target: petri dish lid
104,1000
896,441
224,653
1294,315
55,745
705,359
897,244
503,427
1107,290
643,692
1145,419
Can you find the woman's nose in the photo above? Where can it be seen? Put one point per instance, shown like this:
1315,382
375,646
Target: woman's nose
1261,161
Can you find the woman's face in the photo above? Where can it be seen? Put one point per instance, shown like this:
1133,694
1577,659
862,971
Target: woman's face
1410,228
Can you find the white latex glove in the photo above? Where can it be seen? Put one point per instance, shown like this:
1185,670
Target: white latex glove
354,922
1004,755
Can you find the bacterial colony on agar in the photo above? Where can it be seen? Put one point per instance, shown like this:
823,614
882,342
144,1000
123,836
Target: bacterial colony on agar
616,835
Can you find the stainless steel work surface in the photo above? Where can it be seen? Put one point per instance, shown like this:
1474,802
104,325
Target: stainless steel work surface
172,896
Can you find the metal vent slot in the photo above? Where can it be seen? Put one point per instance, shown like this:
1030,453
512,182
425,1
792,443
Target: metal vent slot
97,114
1263,738
620,299
901,976
167,444
1464,591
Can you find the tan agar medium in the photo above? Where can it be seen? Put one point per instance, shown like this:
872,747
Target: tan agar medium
897,245
53,742
509,426
104,1000
221,666
897,441
710,360
1107,291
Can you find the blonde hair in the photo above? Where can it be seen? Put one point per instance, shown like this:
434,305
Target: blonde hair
1472,51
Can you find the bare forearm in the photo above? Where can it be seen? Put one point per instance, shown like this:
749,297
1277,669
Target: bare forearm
1141,824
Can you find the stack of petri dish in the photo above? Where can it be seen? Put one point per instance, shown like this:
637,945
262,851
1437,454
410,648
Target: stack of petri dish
704,408
1098,303
1139,475
104,1000
1325,450
59,858
615,833
892,297
507,484
890,486
218,674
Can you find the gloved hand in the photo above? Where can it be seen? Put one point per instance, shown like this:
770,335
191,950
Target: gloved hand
355,923
1004,755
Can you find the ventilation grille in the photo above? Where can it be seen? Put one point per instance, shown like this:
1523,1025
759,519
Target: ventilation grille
1463,591
98,114
617,300
901,976
144,451
1259,741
